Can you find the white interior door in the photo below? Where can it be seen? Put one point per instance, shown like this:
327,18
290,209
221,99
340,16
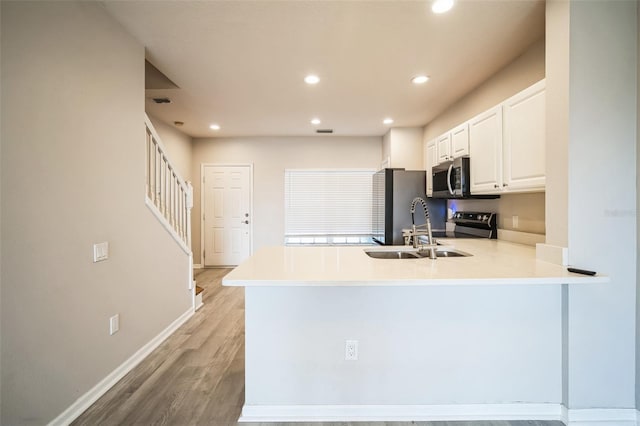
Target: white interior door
227,214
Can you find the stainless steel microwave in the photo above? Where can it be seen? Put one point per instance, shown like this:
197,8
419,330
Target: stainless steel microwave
452,179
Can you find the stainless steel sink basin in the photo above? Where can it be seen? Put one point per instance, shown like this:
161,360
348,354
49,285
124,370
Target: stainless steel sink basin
392,254
412,254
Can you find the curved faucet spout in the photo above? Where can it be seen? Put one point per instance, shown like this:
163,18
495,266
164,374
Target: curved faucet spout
415,234
424,208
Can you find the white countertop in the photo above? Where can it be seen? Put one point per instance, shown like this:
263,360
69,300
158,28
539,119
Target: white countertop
493,262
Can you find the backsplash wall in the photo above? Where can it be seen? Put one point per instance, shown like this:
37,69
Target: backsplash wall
529,208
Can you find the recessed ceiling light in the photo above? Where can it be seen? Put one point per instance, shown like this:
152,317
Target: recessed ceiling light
420,79
215,127
388,121
441,6
315,121
312,79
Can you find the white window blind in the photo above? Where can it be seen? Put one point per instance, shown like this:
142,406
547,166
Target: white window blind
328,206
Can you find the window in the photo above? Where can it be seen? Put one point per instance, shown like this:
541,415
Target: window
328,206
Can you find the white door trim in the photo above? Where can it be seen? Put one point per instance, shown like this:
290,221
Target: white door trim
202,167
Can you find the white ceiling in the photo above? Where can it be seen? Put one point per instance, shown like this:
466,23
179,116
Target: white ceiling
241,63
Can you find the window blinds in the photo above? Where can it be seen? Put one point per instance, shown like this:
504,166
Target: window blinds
327,206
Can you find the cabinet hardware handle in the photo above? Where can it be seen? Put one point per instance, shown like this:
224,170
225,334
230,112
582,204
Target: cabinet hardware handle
504,184
496,186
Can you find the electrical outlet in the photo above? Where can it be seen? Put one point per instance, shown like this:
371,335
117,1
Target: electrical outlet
515,222
351,350
114,324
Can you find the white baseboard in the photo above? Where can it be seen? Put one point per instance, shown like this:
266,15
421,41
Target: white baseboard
372,413
603,417
85,401
197,266
469,412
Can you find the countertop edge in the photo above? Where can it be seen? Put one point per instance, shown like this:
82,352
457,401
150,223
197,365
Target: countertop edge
599,279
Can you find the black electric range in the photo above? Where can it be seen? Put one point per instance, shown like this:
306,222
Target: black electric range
474,225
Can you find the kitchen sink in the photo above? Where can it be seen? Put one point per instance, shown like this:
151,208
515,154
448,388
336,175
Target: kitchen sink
413,254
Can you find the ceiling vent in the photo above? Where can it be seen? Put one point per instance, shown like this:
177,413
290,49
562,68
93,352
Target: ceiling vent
324,131
162,100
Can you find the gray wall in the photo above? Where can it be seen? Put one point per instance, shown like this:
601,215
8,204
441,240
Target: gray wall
602,138
270,156
73,157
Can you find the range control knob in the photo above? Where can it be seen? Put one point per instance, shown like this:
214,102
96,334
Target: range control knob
485,217
479,217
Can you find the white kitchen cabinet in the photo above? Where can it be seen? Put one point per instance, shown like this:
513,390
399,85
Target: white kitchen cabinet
431,155
507,145
430,160
460,141
485,151
404,148
524,140
453,144
443,143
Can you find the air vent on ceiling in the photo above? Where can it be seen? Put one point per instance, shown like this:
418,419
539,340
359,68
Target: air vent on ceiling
324,131
162,100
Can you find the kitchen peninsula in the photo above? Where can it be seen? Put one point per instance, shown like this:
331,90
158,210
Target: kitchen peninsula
463,338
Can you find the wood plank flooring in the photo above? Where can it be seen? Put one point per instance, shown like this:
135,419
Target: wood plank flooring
196,377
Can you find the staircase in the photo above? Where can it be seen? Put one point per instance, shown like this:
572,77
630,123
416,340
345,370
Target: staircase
170,199
199,291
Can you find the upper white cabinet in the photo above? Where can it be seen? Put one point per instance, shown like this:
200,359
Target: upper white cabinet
507,145
485,151
403,147
524,139
452,144
460,141
443,143
430,161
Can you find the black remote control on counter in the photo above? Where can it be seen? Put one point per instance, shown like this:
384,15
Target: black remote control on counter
581,271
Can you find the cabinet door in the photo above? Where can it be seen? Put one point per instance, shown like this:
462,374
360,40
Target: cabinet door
432,154
460,141
485,151
444,148
431,160
524,140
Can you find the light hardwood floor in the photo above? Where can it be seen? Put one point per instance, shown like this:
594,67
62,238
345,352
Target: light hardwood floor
196,377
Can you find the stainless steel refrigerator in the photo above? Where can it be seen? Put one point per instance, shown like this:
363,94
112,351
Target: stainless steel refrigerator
393,191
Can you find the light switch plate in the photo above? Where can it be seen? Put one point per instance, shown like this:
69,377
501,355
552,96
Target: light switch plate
114,324
100,252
